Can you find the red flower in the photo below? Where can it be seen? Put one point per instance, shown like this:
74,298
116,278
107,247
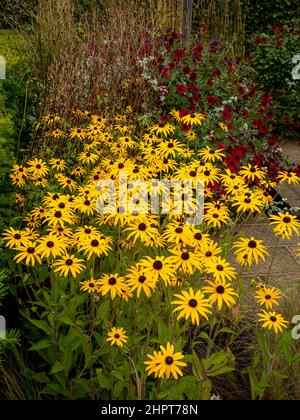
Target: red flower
193,76
216,74
246,113
211,100
186,69
210,83
179,54
261,40
181,90
226,114
165,74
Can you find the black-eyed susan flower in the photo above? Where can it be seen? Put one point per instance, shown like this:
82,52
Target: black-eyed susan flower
153,363
268,297
247,202
220,292
192,305
69,264
194,119
28,253
209,250
185,261
163,129
38,168
56,217
112,284
88,158
140,281
290,177
51,246
252,248
77,133
272,320
90,286
14,238
95,247
158,268
220,269
209,154
170,148
285,225
216,218
117,336
141,231
67,182
168,363
252,173
178,233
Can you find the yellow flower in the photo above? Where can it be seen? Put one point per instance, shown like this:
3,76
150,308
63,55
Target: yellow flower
290,177
168,363
268,297
285,225
28,252
220,292
192,305
90,286
38,168
138,280
193,119
272,320
51,246
220,269
163,129
211,155
185,261
250,249
158,268
15,238
69,264
252,173
117,336
111,283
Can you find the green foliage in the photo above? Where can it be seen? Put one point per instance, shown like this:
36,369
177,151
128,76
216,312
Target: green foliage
261,14
273,60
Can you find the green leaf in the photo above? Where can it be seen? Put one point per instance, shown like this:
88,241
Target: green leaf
41,345
57,368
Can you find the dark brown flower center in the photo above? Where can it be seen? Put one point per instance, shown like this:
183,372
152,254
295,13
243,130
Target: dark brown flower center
142,279
142,227
112,281
95,243
158,265
252,244
169,361
185,256
69,262
220,290
193,303
273,319
50,244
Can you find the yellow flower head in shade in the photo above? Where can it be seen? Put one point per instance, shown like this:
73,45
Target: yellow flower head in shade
268,297
90,286
224,127
290,177
220,292
272,320
165,363
117,336
250,249
285,225
192,305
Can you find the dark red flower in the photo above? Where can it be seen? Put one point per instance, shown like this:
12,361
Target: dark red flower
216,74
226,114
210,83
181,90
186,69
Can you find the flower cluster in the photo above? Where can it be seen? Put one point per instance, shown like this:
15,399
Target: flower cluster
128,254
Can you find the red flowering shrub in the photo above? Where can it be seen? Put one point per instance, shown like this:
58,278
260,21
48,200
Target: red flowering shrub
203,79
